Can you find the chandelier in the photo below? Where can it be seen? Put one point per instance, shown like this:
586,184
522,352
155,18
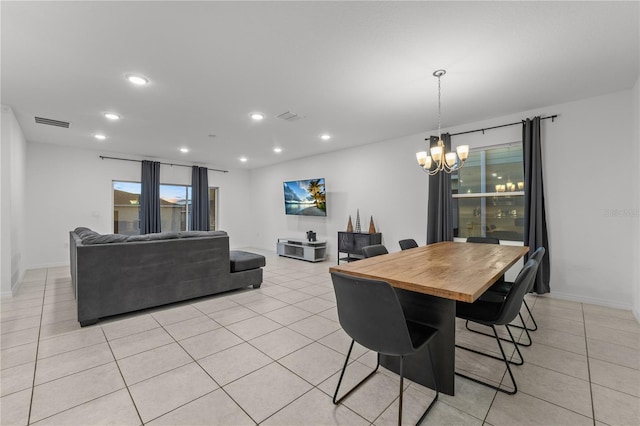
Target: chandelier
439,160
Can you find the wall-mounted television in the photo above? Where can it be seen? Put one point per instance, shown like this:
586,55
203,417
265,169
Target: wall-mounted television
305,197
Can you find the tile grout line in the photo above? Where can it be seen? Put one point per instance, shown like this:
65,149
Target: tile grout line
35,365
207,373
122,376
584,313
277,361
568,375
495,395
586,348
273,361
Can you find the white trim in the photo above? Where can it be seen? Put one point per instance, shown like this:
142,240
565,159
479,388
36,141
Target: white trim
488,194
48,265
590,300
15,286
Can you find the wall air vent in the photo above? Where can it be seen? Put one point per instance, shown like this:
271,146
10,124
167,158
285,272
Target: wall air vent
51,122
289,116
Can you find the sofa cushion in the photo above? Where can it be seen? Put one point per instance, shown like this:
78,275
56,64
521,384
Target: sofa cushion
192,234
81,231
244,260
163,236
95,238
134,238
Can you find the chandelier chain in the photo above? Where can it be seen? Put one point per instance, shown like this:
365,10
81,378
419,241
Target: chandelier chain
439,110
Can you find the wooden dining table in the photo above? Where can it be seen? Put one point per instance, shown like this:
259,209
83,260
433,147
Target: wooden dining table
429,280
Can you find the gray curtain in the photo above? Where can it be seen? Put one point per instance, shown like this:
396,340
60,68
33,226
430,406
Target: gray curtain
199,198
535,221
439,212
150,197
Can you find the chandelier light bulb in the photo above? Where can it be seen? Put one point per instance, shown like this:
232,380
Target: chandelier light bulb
421,157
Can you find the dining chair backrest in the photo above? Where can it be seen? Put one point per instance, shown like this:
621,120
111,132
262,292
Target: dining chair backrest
369,311
513,300
374,250
483,240
407,244
538,254
537,257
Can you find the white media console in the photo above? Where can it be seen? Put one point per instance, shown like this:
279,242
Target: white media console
312,251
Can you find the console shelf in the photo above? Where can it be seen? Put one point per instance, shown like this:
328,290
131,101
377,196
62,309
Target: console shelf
311,251
351,244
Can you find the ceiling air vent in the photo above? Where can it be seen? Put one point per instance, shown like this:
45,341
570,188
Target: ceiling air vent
50,122
289,116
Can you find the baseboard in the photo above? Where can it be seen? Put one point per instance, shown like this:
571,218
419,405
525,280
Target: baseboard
48,265
591,300
14,286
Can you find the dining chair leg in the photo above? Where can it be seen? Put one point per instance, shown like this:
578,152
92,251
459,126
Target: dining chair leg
504,358
401,391
520,362
344,368
524,325
526,330
435,385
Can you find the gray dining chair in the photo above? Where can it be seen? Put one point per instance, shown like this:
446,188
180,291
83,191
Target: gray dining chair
370,313
374,250
501,288
407,244
483,240
498,291
491,314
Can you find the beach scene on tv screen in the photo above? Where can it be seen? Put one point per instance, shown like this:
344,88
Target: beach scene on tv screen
305,197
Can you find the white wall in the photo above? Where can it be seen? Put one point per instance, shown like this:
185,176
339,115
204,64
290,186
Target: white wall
591,242
635,131
70,187
12,246
381,180
592,200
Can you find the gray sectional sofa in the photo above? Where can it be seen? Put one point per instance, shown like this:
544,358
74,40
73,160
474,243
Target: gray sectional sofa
114,274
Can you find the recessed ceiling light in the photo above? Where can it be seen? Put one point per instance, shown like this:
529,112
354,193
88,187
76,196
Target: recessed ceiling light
112,116
184,150
257,116
243,159
277,150
137,79
325,137
99,136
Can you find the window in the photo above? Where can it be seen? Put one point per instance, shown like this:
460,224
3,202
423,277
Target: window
126,207
175,207
488,194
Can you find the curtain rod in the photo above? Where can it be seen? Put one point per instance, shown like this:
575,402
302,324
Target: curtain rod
102,157
552,117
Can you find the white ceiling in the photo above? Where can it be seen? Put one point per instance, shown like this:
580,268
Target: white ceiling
361,71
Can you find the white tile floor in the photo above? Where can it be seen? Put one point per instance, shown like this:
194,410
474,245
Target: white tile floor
272,356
